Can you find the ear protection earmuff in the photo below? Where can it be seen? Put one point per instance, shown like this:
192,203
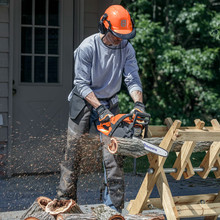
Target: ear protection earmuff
101,26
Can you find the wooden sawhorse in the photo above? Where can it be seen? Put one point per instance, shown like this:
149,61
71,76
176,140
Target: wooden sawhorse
184,206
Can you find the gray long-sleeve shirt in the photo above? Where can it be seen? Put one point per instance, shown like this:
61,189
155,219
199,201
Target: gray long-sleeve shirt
99,69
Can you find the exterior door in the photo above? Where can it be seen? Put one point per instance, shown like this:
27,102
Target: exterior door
43,31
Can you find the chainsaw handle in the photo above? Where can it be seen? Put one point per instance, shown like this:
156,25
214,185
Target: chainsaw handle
143,115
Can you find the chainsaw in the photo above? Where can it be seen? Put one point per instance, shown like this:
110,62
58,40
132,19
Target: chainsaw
132,125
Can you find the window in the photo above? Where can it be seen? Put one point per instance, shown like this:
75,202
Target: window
40,39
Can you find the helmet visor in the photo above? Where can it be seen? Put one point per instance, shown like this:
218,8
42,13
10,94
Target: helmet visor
124,34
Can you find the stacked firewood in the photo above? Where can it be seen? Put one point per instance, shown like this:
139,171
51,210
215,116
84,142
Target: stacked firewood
44,208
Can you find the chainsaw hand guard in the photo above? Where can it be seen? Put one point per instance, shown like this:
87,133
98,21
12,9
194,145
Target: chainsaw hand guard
104,114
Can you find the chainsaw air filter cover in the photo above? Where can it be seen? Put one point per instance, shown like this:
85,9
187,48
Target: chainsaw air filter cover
123,131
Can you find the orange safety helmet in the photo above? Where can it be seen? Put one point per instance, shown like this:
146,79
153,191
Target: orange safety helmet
117,20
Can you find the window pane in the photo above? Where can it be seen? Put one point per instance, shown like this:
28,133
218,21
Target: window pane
40,12
52,69
39,69
26,39
26,12
26,69
53,41
40,40
53,12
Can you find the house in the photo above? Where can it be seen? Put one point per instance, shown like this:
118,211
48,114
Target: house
37,39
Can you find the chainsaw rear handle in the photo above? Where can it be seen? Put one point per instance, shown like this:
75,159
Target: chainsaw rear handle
138,116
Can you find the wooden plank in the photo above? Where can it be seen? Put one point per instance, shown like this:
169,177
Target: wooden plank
198,210
180,200
182,159
212,156
196,135
217,173
189,168
157,131
160,130
215,124
150,179
199,124
217,199
209,160
166,197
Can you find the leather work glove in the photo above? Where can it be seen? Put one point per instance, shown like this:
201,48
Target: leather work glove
138,106
104,113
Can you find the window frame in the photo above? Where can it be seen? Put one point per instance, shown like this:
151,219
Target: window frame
46,55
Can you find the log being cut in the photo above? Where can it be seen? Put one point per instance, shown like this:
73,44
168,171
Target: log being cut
135,147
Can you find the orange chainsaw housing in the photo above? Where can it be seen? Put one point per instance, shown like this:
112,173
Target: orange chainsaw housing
106,127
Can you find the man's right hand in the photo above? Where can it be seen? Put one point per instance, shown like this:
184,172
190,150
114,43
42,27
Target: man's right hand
104,113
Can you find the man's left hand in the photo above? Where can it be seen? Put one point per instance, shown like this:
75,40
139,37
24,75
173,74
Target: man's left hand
138,106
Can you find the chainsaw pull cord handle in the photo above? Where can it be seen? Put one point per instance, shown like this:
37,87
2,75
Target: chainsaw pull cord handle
118,122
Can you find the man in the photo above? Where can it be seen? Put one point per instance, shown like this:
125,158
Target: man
100,62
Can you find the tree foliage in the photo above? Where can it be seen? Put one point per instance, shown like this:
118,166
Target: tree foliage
178,51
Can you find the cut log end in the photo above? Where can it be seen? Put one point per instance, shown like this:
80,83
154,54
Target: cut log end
113,146
116,217
32,218
56,207
43,201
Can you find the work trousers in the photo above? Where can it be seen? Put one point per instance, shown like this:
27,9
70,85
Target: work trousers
70,169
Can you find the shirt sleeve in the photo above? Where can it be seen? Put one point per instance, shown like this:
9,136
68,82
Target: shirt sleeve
82,67
132,78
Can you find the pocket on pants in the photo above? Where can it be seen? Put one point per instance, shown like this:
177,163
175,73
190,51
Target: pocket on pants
77,104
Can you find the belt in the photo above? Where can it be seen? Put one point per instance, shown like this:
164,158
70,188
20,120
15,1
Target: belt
107,99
